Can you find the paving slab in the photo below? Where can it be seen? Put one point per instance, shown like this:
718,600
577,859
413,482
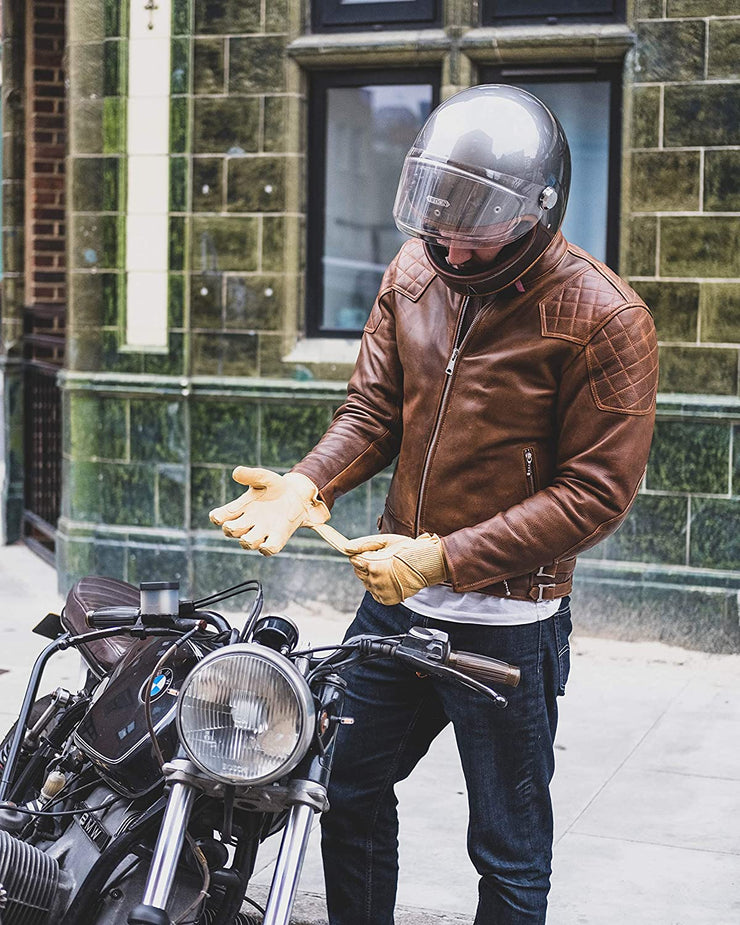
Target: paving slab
665,808
607,881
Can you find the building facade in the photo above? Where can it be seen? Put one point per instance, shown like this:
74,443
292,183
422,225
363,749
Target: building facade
196,214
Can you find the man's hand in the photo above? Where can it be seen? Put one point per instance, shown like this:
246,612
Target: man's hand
271,510
401,568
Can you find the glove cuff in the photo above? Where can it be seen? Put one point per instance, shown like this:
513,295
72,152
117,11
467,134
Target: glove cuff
316,511
425,556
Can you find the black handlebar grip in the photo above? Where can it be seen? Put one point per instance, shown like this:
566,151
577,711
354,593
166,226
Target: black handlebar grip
485,669
108,617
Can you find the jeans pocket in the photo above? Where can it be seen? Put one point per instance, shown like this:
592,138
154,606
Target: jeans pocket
563,627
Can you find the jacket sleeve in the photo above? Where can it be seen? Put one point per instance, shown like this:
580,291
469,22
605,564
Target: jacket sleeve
606,412
365,434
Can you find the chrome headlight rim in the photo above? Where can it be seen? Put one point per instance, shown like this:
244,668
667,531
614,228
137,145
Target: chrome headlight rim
300,689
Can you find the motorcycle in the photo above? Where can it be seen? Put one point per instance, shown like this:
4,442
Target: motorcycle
143,797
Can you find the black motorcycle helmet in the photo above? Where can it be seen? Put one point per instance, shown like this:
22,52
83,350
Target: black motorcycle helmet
490,168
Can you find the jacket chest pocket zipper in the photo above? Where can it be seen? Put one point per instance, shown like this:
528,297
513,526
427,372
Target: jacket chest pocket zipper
529,471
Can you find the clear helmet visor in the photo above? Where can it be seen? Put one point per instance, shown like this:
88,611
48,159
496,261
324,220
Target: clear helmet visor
442,203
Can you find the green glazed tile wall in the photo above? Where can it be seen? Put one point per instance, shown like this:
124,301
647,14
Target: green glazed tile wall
715,539
144,461
690,457
655,531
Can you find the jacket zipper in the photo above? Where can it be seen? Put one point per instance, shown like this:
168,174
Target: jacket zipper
449,372
529,470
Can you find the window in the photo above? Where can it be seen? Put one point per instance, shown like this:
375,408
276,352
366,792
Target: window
587,103
362,125
502,11
360,14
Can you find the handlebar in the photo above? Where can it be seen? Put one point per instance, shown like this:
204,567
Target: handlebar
108,617
127,617
428,652
490,670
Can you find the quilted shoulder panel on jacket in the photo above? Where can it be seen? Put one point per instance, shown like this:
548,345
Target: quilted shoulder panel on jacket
575,310
623,363
411,271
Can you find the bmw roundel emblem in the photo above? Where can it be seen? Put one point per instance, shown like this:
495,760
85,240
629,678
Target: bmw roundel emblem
160,684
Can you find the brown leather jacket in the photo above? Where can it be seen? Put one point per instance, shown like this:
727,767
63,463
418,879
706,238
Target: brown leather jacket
523,447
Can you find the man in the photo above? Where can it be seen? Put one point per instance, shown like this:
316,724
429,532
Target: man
513,377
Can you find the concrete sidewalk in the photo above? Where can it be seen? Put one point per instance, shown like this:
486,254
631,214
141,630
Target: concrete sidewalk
646,792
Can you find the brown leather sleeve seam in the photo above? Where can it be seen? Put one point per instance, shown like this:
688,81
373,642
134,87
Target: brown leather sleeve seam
605,524
348,467
415,296
371,325
612,315
613,280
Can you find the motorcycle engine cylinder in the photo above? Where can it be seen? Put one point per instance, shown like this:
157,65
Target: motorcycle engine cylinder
30,879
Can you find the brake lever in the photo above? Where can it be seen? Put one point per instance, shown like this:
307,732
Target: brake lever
437,668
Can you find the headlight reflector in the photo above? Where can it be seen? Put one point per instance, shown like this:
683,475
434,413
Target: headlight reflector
245,715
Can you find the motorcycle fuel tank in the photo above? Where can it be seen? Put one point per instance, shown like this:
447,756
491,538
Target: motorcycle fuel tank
114,733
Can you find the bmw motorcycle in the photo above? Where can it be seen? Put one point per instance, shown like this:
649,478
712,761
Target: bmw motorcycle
143,797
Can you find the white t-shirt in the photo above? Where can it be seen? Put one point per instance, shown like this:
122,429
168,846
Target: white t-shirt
442,603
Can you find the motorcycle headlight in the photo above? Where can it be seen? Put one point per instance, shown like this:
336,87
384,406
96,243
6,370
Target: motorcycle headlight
245,715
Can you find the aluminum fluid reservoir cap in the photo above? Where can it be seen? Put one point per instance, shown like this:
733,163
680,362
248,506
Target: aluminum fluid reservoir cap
160,598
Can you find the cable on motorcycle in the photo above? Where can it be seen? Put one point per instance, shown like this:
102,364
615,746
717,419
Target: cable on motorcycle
148,691
241,588
251,585
66,812
203,895
253,615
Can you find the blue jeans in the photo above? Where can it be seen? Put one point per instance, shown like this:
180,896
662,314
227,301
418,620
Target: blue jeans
507,758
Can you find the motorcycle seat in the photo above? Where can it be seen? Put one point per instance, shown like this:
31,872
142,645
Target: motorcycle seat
92,593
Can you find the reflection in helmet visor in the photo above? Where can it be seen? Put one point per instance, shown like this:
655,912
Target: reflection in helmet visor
437,201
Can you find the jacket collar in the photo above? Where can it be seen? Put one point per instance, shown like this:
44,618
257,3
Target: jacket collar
551,257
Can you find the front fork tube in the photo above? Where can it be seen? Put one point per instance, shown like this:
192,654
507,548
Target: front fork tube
310,782
163,867
289,864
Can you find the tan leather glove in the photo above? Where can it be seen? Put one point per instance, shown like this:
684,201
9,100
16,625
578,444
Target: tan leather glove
403,567
271,510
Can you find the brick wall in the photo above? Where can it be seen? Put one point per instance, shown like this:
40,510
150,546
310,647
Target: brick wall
45,133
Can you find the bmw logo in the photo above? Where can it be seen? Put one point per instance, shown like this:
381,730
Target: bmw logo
159,686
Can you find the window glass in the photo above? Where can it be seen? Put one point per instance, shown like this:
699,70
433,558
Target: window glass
583,109
497,10
369,130
332,14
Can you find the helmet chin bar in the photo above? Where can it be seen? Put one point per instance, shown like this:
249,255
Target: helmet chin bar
512,262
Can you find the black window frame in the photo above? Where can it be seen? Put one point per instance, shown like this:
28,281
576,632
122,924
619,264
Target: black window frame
611,73
332,16
556,13
320,83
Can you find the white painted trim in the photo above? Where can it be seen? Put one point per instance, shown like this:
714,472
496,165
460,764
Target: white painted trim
148,149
